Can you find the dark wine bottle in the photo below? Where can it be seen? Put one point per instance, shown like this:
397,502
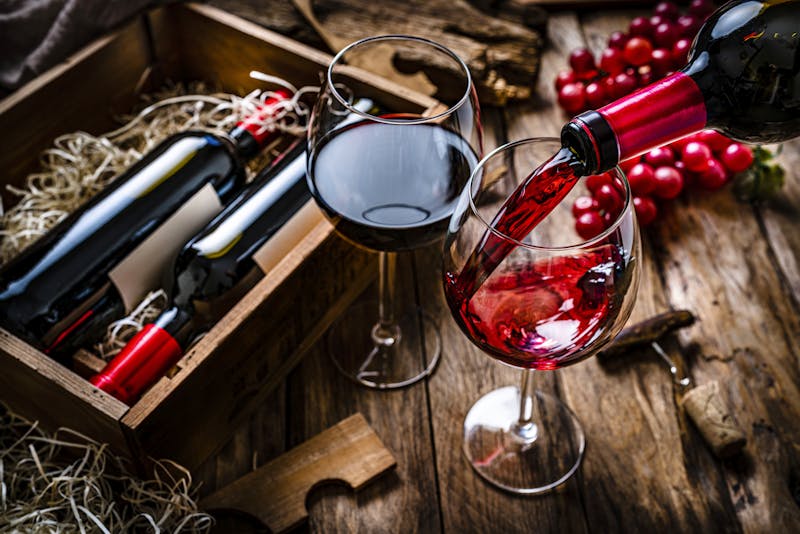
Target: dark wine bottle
61,292
216,268
743,79
211,273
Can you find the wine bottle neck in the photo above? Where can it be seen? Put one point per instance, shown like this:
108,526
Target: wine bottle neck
651,117
252,133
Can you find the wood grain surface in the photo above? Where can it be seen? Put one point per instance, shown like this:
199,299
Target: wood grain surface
502,54
646,467
349,452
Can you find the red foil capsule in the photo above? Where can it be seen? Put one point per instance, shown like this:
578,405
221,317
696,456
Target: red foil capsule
255,122
656,115
146,357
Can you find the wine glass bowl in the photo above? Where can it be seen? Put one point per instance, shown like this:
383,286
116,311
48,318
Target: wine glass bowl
554,299
388,176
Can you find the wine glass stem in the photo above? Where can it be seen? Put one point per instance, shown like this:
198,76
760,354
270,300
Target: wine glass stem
525,429
386,331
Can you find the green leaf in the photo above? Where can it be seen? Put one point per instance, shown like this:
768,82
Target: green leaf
762,180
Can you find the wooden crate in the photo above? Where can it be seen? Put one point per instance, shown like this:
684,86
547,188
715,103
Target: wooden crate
232,368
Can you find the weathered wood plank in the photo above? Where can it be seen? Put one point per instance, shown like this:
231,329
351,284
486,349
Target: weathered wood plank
781,219
257,440
277,15
502,55
717,261
405,500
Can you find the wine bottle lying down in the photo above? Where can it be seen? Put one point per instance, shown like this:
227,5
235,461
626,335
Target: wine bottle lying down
98,263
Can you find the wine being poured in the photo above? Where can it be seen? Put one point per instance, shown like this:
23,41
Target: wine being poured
542,302
527,206
743,78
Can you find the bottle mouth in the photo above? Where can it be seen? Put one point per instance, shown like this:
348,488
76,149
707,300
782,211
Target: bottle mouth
474,185
593,141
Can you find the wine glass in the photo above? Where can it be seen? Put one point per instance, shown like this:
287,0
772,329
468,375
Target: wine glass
388,179
555,299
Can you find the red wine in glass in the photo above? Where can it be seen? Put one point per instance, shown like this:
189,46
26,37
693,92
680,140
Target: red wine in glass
389,187
531,293
542,315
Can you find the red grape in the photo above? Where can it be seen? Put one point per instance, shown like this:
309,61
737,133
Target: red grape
642,179
609,87
668,10
572,98
737,157
661,61
624,83
581,61
688,176
688,25
628,164
612,61
714,176
617,40
665,34
680,52
696,156
715,140
645,76
595,95
638,51
589,224
646,210
669,182
608,198
655,20
658,157
596,181
678,144
584,204
641,27
564,77
701,8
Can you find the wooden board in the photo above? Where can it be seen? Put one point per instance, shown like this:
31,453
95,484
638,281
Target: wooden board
55,396
349,452
319,396
502,55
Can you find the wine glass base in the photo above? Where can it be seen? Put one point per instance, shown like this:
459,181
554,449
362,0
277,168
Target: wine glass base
535,460
410,359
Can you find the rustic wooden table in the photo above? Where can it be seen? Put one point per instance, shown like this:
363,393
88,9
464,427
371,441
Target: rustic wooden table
646,468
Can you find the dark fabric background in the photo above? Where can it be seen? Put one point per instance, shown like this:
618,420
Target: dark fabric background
37,34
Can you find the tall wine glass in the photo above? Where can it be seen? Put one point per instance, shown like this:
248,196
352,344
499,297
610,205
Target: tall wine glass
554,300
388,179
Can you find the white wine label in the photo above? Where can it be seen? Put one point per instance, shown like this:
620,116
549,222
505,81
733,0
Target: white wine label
285,239
143,269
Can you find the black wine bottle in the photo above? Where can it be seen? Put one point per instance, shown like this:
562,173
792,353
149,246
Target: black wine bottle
743,79
61,292
216,268
211,273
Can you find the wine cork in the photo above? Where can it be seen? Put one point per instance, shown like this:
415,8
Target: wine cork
705,407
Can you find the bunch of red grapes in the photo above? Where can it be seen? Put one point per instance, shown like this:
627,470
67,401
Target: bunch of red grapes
654,47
